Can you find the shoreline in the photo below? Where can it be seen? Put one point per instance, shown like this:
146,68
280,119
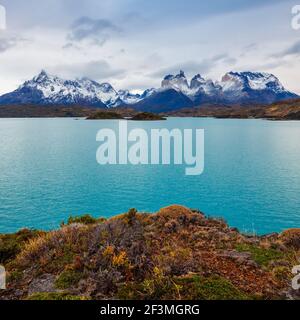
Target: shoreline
93,218
166,116
285,110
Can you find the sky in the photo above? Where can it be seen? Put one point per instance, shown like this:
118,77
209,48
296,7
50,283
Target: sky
133,44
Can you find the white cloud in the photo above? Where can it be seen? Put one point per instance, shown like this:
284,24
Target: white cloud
98,70
139,45
95,31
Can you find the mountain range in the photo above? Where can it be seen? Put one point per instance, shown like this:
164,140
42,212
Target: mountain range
176,92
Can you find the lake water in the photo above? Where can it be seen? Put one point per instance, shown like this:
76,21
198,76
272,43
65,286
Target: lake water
48,171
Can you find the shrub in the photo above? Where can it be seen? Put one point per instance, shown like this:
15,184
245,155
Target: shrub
262,256
217,288
149,289
156,287
32,251
291,238
86,219
212,288
12,244
282,273
14,276
131,216
54,250
120,260
108,251
67,279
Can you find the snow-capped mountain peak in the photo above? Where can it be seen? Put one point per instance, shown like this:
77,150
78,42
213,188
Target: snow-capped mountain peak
198,85
253,86
235,87
203,86
52,89
177,82
197,79
252,80
42,76
129,98
147,93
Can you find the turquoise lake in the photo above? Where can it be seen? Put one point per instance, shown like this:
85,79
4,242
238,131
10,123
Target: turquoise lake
48,171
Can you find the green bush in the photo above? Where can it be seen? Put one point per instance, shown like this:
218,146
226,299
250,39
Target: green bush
212,288
190,288
262,256
131,216
155,288
67,279
11,244
86,219
14,276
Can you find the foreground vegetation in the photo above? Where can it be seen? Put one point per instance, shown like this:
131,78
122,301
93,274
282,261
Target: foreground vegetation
176,253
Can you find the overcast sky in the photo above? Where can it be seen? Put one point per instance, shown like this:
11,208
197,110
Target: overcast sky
133,43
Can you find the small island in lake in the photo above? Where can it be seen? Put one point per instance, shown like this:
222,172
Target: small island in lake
104,115
120,115
147,116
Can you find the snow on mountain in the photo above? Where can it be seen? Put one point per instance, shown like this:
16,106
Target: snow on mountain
252,80
147,93
253,87
129,98
197,86
175,92
57,90
201,85
235,87
47,89
103,92
178,83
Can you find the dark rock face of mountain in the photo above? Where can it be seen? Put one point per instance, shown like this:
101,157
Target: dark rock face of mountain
163,101
23,95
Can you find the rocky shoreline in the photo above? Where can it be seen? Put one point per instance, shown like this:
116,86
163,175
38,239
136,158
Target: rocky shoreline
176,253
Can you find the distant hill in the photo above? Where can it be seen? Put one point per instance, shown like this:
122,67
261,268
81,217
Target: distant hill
283,110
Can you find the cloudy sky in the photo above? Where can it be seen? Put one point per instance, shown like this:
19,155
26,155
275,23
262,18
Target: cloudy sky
133,43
